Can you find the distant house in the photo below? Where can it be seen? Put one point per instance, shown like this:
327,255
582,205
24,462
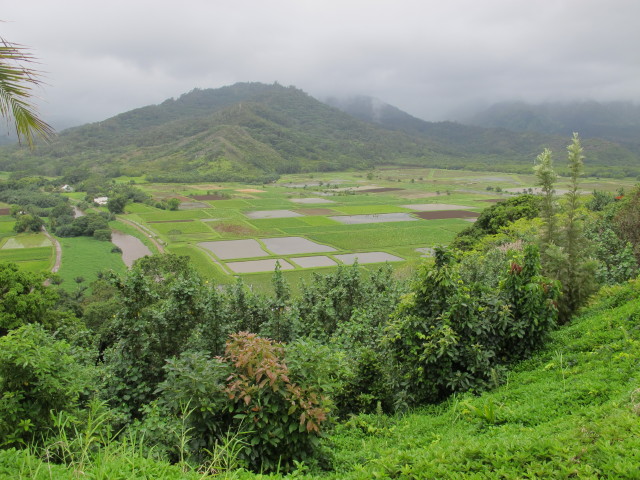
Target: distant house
66,188
101,200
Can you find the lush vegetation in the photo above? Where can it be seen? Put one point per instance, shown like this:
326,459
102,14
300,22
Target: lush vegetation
162,365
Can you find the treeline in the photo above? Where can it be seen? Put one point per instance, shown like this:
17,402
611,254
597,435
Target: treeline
34,198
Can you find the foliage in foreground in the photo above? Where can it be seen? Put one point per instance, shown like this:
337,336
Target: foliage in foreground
571,411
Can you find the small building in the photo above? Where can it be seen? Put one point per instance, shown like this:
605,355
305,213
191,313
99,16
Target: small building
101,200
66,188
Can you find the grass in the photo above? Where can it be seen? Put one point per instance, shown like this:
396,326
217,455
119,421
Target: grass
184,227
34,260
571,411
202,263
84,257
377,236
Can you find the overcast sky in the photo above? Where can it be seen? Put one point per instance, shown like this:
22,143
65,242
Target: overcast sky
429,58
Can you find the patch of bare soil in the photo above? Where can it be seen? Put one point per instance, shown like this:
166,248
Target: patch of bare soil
233,228
493,200
316,211
5,211
446,214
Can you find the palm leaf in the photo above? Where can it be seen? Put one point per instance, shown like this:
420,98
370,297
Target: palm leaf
17,82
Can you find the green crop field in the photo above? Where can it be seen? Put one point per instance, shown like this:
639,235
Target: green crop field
84,257
316,197
36,259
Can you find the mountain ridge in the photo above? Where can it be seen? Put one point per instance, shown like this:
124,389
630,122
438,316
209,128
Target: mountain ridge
255,132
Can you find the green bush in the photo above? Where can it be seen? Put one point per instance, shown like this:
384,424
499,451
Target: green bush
39,377
449,337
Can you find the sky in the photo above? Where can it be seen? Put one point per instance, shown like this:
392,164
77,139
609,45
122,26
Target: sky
432,59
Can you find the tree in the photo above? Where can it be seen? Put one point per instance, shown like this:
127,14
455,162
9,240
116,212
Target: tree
16,91
24,299
117,203
565,248
28,223
546,178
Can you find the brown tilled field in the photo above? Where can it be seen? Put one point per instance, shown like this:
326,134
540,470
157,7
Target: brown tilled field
5,211
233,228
446,214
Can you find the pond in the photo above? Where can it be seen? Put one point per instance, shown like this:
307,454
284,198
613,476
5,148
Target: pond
132,248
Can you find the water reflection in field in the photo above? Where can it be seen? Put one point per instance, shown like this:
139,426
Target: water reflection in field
132,248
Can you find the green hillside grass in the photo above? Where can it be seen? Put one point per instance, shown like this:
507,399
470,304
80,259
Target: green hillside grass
572,411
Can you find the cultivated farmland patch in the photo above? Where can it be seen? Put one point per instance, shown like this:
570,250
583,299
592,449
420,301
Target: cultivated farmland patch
233,228
316,211
252,266
260,214
192,205
210,197
294,245
312,200
27,241
447,214
228,249
171,221
314,262
368,257
375,218
432,207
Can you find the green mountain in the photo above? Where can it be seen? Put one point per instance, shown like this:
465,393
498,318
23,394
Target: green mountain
245,131
254,132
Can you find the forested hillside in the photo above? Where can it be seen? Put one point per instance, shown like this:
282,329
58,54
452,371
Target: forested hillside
246,131
254,132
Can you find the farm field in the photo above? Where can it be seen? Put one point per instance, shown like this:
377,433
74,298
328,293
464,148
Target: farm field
314,222
306,222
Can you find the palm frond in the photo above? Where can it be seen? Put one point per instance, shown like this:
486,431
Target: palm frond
17,82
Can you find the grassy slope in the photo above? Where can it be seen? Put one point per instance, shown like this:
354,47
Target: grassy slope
571,411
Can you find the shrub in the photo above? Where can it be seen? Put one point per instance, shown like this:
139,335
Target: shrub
283,419
103,234
449,337
38,376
